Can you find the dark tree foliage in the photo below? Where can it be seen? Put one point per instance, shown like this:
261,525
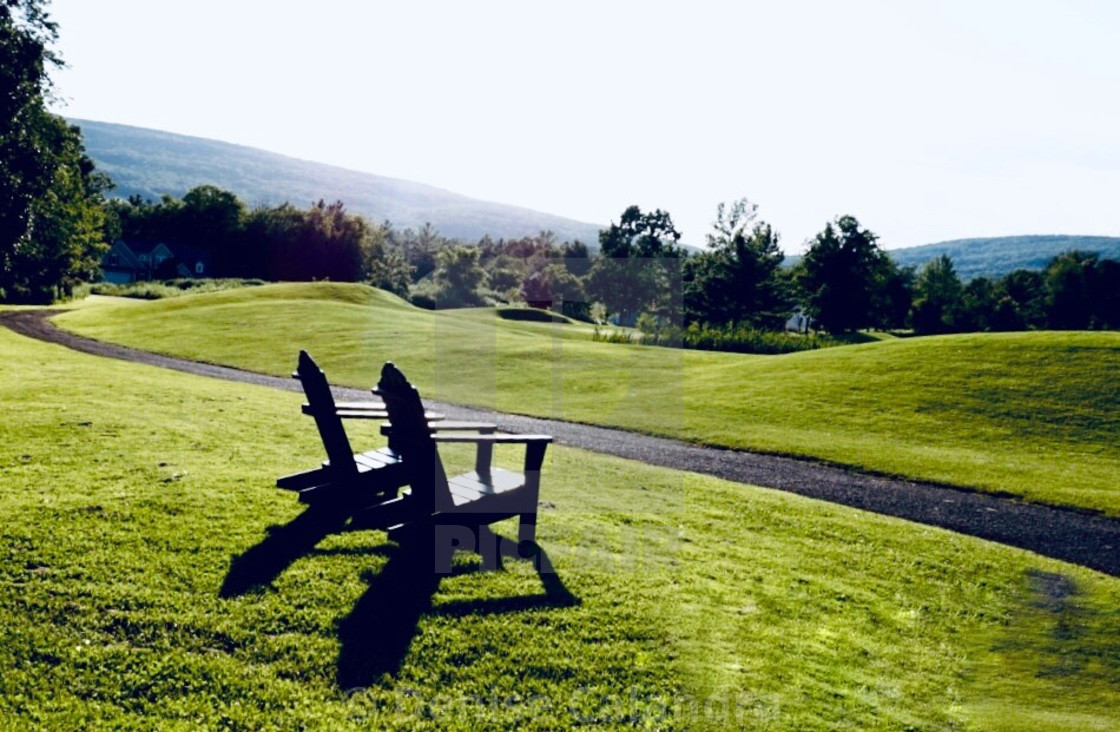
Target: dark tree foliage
273,243
1022,305
979,300
937,297
895,296
1070,286
1107,296
841,276
577,258
640,267
1076,290
739,278
386,267
459,278
51,206
25,171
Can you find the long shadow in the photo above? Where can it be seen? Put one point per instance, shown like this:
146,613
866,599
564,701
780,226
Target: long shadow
263,563
375,637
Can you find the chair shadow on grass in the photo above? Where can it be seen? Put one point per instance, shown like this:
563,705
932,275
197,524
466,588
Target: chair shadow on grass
374,638
261,564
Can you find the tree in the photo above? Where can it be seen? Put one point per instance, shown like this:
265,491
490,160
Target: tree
26,165
386,267
738,279
213,220
459,278
842,274
1070,284
577,258
1022,301
51,205
894,296
639,269
979,301
556,288
937,297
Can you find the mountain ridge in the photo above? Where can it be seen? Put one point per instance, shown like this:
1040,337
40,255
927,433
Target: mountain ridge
151,163
997,256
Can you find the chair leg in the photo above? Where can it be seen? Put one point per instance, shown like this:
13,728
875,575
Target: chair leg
489,547
527,533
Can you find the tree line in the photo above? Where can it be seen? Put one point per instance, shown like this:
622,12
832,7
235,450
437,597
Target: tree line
56,223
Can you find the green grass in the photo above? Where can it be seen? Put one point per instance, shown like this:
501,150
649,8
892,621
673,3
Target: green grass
128,490
1031,414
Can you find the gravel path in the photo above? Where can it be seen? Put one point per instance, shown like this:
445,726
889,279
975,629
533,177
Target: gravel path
1073,536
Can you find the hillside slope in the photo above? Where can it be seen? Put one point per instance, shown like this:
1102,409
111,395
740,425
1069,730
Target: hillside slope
151,163
995,257
1032,414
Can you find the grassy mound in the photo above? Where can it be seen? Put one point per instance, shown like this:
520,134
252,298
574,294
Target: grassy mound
1033,414
679,602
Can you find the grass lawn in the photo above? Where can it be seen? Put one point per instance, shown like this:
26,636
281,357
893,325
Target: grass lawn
1032,414
679,601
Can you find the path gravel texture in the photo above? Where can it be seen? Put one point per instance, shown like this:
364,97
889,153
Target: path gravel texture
1090,540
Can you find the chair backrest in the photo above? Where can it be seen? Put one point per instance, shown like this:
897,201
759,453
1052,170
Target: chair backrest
412,439
321,406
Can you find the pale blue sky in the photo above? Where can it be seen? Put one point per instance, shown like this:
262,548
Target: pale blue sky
926,120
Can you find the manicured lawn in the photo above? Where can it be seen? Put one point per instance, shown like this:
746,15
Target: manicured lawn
679,601
1032,414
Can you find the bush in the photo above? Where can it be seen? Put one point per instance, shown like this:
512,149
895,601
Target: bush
156,290
706,337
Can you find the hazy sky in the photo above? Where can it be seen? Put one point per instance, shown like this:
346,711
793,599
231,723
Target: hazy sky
925,120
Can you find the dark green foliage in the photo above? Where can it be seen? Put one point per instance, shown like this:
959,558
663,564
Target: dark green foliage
733,338
937,297
842,276
459,278
894,297
1076,291
51,207
157,290
640,266
1070,287
739,278
323,242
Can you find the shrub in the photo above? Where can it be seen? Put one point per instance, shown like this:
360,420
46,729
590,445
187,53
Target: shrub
707,337
158,289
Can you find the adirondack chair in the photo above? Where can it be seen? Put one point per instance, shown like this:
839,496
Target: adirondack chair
346,477
470,501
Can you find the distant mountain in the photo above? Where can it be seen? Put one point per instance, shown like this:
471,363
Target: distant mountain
151,163
997,256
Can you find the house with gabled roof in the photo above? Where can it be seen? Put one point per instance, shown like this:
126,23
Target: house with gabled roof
128,262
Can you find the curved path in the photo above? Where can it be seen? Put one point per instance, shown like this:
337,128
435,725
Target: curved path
1082,538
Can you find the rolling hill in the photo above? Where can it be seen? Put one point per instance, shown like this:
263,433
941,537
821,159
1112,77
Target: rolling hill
997,256
151,163
1032,414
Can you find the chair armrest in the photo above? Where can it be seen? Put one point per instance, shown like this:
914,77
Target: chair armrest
495,439
348,410
380,406
447,426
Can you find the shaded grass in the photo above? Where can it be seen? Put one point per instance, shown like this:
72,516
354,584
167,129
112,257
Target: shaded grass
128,490
1031,414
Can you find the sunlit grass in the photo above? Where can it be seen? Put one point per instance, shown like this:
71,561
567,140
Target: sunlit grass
698,603
1032,414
